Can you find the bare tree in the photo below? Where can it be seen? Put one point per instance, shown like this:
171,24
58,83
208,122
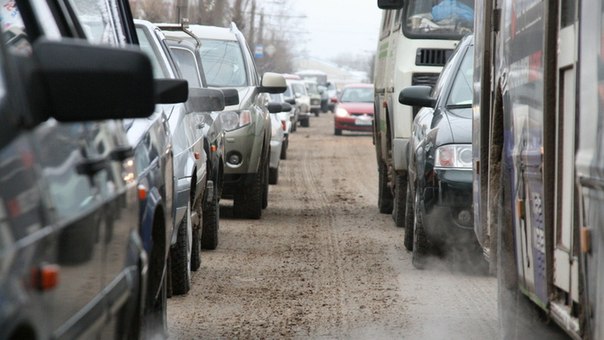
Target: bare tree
151,10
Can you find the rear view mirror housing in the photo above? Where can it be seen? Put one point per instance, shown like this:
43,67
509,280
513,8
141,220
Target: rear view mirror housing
205,100
171,91
83,82
286,107
391,4
231,97
273,83
418,95
274,107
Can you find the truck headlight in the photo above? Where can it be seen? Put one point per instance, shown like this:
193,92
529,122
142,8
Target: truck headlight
232,120
458,156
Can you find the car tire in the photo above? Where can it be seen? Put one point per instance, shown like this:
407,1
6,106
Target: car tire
284,146
409,218
180,263
400,200
248,202
420,239
294,126
305,122
273,175
316,113
156,316
211,223
196,249
265,184
384,194
337,132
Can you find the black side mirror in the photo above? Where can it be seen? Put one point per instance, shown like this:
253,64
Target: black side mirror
205,100
291,101
231,97
285,107
170,91
390,4
83,82
274,107
418,95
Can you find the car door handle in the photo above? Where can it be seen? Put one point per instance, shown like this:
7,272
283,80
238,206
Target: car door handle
121,153
90,167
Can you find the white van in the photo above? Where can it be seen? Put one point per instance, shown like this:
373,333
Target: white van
416,39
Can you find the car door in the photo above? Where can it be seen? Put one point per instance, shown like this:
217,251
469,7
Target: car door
102,24
68,223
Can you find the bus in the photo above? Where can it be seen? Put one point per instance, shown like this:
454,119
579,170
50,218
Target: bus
416,39
539,160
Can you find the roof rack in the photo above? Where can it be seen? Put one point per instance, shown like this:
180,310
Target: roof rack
183,26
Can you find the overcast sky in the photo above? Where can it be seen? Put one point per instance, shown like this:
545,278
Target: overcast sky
339,26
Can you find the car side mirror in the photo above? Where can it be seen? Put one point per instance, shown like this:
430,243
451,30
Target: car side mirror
231,97
170,91
273,83
274,107
291,101
205,100
418,95
286,107
390,4
73,80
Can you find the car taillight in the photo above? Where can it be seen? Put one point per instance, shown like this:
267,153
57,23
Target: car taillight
283,125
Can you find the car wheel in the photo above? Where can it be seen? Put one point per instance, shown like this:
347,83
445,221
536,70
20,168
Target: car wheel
196,249
420,240
155,316
248,202
265,185
273,175
337,132
294,126
305,122
181,256
409,218
384,193
316,113
284,149
211,219
400,199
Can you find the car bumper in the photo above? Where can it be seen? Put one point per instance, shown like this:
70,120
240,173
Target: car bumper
275,153
448,205
353,124
243,142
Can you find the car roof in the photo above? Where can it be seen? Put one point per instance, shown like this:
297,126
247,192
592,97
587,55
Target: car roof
213,32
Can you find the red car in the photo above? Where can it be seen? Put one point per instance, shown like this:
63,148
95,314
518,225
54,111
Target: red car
354,111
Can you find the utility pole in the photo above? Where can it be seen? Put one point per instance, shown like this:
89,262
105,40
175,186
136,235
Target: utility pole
181,10
251,40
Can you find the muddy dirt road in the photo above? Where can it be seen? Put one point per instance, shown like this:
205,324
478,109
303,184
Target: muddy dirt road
324,263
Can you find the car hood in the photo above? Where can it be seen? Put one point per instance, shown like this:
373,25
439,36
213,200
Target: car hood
357,107
455,127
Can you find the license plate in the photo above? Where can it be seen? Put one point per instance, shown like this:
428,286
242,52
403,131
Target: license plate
363,122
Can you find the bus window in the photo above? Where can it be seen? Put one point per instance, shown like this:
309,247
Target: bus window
441,18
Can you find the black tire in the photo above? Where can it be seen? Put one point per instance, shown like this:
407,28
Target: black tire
385,203
265,184
248,202
316,113
156,316
211,223
337,132
180,257
294,126
130,319
283,154
400,200
420,239
196,249
409,218
305,122
273,175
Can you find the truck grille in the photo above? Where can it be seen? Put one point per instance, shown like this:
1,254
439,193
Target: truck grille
424,79
432,56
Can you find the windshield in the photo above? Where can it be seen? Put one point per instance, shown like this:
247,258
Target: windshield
446,18
357,95
312,88
223,63
461,91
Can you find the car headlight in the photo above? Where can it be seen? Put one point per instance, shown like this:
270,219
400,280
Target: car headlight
232,120
458,156
341,112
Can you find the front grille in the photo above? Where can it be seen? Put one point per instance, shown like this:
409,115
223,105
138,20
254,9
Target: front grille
315,102
432,56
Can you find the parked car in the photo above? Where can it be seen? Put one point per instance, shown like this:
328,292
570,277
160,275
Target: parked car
228,63
439,197
277,139
296,95
354,111
315,96
72,263
285,118
185,47
190,159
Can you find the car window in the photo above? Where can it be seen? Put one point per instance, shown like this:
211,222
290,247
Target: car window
99,21
223,63
357,95
299,89
461,91
185,59
147,47
288,92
